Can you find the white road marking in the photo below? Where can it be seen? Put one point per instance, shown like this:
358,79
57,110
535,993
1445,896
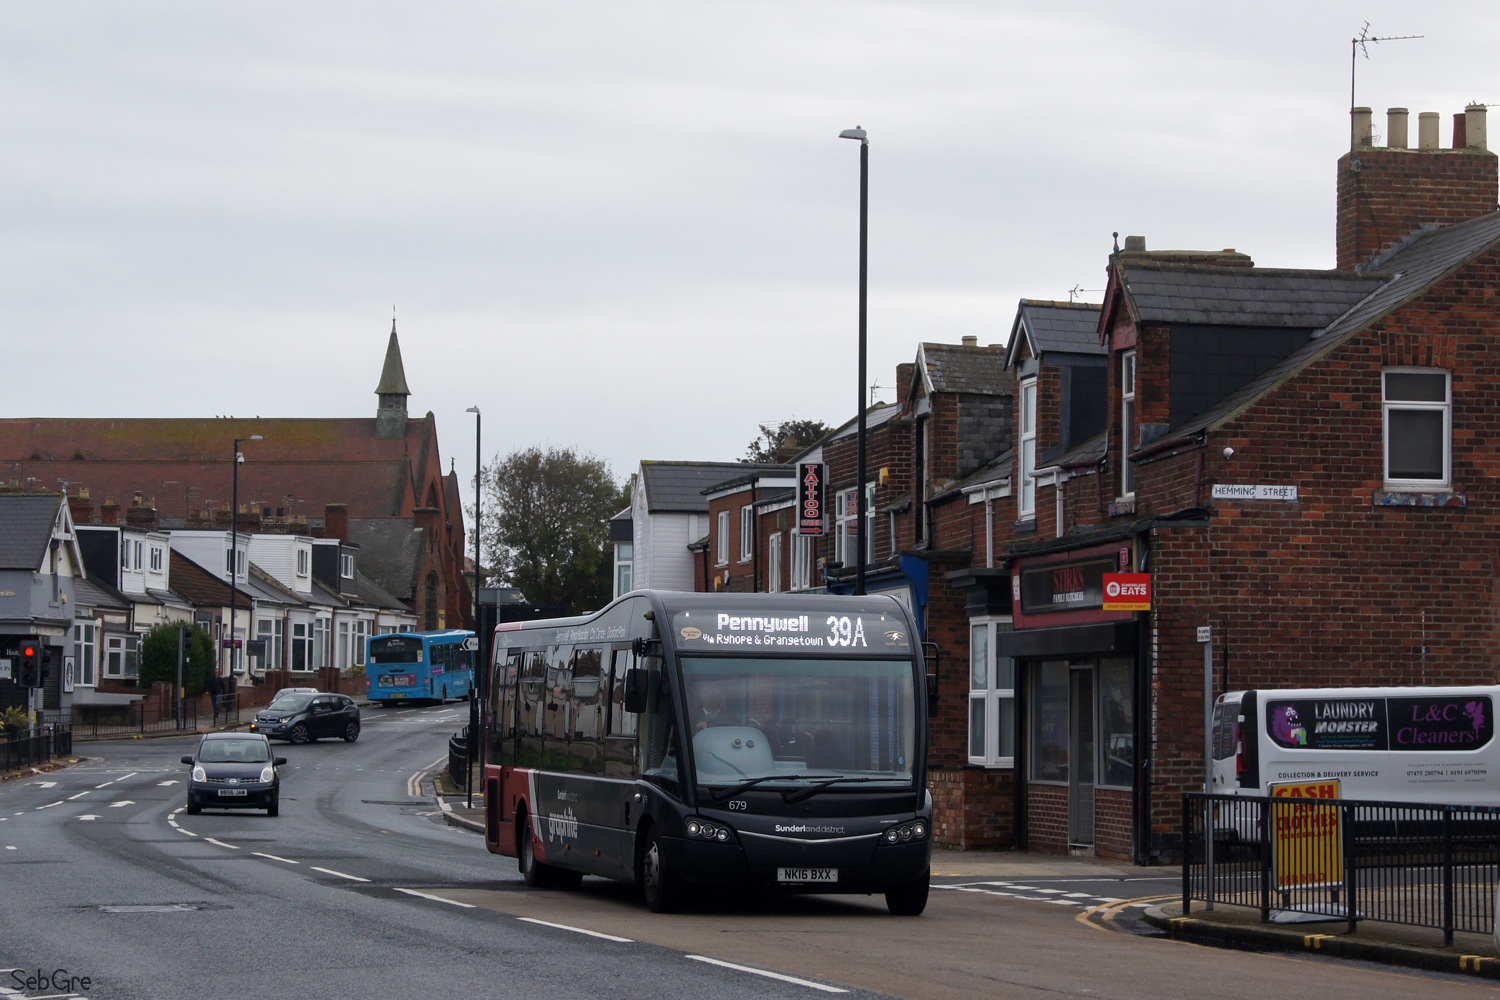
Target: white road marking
49,805
330,871
221,843
9,848
575,930
174,781
190,833
45,784
122,802
273,857
89,818
122,777
78,796
769,975
454,902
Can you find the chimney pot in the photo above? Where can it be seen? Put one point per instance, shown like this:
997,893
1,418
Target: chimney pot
1475,127
1395,128
1135,243
970,340
1427,130
1360,127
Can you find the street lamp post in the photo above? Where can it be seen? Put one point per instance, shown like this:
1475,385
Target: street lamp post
861,543
234,554
476,714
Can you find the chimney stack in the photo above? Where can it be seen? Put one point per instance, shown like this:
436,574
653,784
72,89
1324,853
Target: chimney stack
336,521
109,511
904,372
142,513
81,507
1135,243
1387,194
970,340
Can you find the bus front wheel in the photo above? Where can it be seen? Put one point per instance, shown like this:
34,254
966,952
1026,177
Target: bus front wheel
662,890
908,900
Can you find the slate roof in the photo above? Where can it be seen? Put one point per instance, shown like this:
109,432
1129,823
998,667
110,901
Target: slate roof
999,468
874,417
373,594
198,585
1224,296
98,594
956,368
1065,327
1401,277
393,372
746,480
26,522
1087,452
390,552
677,487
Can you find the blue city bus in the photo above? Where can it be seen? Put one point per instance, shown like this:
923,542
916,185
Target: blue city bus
411,666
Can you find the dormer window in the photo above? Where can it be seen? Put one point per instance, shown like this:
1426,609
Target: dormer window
1127,423
156,558
346,567
302,560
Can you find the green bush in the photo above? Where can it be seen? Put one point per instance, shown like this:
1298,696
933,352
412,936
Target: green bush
159,658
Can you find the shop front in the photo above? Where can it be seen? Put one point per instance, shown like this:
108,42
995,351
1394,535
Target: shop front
1080,671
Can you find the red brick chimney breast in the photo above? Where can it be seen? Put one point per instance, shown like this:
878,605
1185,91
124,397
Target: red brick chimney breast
336,521
1386,194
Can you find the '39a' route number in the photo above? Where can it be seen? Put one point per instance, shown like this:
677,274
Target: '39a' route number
846,631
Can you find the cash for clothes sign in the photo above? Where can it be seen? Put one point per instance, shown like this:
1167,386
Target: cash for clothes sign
811,481
1127,591
1305,841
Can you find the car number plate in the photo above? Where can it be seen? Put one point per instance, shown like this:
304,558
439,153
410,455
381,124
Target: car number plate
233,791
807,874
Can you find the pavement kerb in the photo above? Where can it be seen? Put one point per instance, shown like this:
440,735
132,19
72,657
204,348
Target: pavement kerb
1205,930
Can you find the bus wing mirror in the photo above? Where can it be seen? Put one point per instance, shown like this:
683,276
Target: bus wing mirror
635,690
932,695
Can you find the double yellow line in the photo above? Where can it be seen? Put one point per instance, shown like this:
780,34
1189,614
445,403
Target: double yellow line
1107,912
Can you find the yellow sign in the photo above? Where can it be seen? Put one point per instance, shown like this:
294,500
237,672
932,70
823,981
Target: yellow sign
1308,850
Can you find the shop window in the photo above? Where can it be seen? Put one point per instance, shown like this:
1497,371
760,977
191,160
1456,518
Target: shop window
1418,416
1048,743
1116,723
992,697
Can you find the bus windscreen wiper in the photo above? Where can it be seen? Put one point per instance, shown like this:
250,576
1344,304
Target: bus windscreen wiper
791,798
730,793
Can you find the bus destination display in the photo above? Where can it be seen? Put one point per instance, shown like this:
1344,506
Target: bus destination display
830,633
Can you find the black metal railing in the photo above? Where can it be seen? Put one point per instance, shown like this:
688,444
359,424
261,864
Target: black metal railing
458,757
1403,863
106,722
26,747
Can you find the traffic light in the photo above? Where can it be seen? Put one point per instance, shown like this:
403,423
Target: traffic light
29,672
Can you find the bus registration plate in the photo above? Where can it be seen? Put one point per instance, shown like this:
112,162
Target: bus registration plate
807,874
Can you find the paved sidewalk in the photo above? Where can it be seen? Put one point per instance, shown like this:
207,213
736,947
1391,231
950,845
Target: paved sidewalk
1391,944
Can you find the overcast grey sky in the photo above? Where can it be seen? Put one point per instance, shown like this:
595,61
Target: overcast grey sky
628,226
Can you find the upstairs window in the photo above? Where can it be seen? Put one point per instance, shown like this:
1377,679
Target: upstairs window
156,558
721,555
346,567
1028,448
747,533
1418,417
773,563
302,561
1127,423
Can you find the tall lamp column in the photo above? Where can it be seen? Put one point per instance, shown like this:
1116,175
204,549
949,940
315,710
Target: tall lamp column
481,667
861,543
234,552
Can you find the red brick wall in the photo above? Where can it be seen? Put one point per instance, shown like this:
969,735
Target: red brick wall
1113,833
972,807
1396,191
1047,818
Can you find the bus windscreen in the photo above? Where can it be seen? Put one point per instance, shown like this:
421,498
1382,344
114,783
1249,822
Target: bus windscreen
800,720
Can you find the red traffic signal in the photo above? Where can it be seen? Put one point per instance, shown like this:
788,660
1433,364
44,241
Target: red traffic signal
30,673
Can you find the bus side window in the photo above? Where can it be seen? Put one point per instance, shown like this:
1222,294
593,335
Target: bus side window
621,722
556,698
533,693
503,703
588,704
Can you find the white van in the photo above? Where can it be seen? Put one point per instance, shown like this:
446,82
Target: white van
1393,744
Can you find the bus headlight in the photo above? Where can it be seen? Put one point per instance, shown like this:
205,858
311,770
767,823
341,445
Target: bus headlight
702,829
906,832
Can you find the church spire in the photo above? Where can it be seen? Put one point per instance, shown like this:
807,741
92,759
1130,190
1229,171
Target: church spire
390,414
